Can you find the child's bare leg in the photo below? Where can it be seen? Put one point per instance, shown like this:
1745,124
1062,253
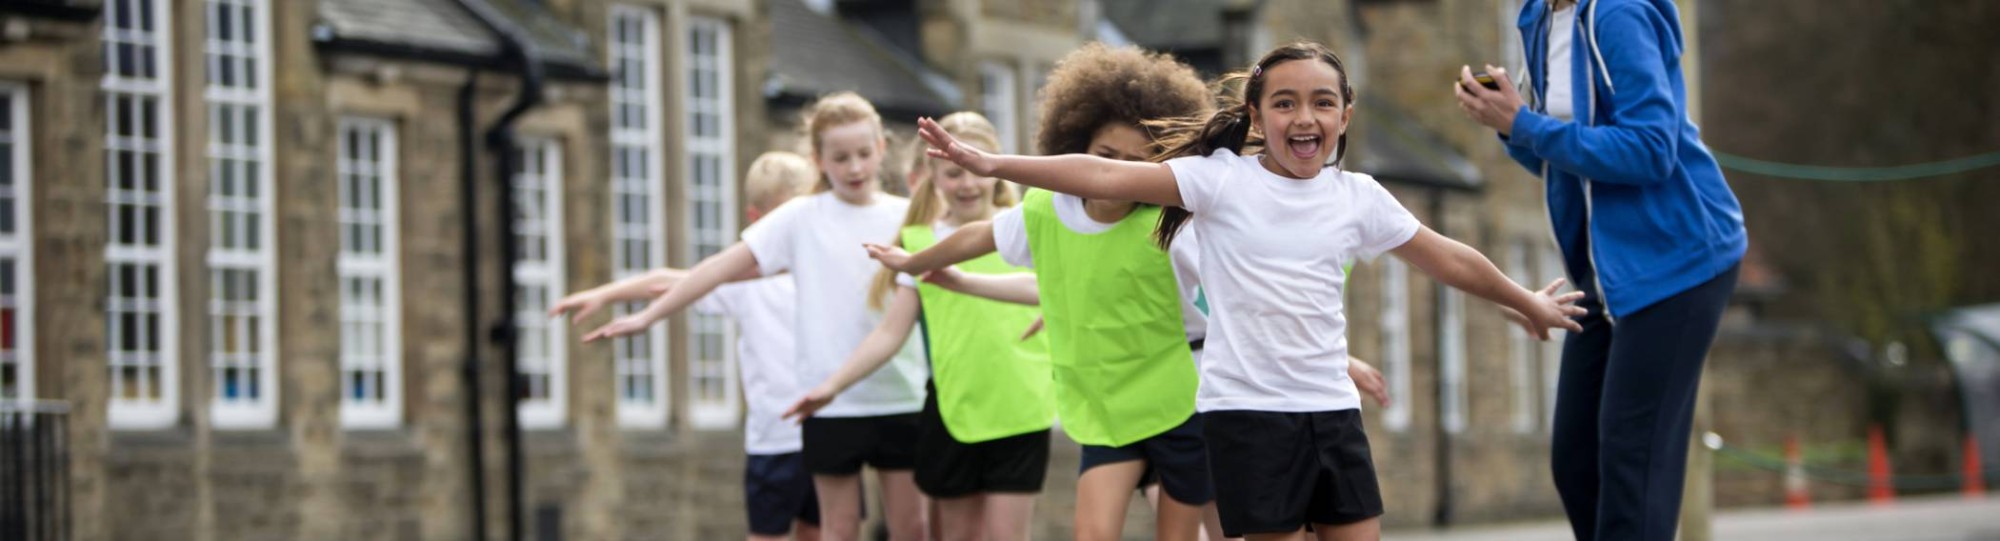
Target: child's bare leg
1366,530
839,515
1102,493
1009,515
960,518
903,505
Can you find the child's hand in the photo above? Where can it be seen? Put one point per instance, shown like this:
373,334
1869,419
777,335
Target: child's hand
945,146
1032,329
949,278
1551,310
624,326
809,404
890,256
1368,380
579,306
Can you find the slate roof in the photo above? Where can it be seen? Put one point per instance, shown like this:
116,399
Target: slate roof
446,31
815,54
1168,24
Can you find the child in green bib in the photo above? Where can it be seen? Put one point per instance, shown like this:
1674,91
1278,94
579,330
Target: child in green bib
983,447
1123,323
1258,181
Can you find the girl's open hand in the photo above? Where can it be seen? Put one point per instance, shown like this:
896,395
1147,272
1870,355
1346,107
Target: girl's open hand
1368,380
890,256
624,326
944,146
579,306
1553,310
809,404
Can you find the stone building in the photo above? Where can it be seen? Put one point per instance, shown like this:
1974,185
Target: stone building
236,237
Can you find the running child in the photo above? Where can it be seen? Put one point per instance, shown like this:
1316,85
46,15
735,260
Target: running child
777,491
984,445
1131,407
814,238
1276,222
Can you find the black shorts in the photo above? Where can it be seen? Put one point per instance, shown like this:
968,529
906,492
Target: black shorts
776,491
1177,459
1279,472
840,445
948,468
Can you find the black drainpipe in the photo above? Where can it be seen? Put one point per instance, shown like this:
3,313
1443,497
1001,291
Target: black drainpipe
468,184
521,52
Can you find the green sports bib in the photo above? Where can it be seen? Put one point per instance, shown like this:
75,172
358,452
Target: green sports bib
990,383
1113,316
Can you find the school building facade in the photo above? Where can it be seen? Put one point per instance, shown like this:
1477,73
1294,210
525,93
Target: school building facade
239,244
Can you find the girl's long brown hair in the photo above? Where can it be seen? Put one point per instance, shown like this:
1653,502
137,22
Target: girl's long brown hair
925,204
1229,126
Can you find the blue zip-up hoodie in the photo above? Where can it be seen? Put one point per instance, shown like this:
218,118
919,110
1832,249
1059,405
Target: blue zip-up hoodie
1631,170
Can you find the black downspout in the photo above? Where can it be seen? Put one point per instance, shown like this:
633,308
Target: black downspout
468,200
1443,518
520,51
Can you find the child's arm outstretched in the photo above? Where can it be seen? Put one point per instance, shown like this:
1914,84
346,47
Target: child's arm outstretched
874,351
1082,175
637,287
1462,267
969,241
733,264
1017,288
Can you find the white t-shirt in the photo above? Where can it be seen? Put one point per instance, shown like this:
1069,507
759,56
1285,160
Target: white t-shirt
1271,255
765,354
1010,236
818,239
1561,97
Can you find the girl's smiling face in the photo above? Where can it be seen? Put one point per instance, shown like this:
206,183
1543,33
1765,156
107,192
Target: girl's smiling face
968,197
1301,116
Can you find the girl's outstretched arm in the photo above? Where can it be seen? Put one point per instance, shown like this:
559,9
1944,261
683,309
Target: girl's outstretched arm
638,287
1017,288
1462,267
733,264
1082,175
970,241
874,351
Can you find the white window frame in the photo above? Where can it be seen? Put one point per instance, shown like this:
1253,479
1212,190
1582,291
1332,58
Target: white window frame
20,245
1521,350
548,274
999,100
260,411
710,413
643,357
1451,359
163,410
1395,329
386,267
1551,351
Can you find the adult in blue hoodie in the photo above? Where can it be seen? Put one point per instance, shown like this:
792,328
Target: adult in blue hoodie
1649,230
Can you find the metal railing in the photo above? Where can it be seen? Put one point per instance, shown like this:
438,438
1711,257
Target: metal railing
34,470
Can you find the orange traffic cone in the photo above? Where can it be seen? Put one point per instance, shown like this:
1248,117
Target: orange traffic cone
1975,476
1797,497
1879,491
